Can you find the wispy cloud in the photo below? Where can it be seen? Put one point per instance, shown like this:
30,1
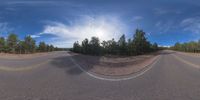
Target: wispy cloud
16,2
165,26
136,18
161,11
40,3
5,28
191,24
104,27
11,9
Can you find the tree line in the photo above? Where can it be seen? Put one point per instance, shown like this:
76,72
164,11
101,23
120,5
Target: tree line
12,44
191,46
136,46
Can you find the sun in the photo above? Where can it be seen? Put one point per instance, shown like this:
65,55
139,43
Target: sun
100,32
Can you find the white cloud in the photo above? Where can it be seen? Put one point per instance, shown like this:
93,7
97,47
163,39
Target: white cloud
167,46
35,36
61,42
104,27
191,24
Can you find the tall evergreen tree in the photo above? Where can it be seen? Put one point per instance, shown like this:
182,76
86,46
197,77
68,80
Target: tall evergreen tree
122,45
21,47
51,48
77,47
42,47
29,44
95,48
12,42
2,44
140,42
130,48
47,48
155,46
85,46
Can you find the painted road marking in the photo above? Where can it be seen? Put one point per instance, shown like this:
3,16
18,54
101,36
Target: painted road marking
186,62
112,79
4,68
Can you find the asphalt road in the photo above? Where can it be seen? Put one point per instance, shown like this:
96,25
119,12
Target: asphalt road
56,77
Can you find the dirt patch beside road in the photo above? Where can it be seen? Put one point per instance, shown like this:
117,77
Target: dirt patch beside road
23,56
190,54
114,65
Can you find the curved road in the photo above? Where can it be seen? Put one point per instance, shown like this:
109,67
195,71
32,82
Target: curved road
56,77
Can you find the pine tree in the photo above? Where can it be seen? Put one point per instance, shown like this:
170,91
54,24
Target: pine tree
42,47
2,44
140,42
29,44
122,45
12,42
85,46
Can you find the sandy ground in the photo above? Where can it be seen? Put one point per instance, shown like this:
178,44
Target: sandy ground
23,56
114,65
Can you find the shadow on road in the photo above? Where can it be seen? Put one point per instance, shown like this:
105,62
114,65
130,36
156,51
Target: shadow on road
88,62
66,63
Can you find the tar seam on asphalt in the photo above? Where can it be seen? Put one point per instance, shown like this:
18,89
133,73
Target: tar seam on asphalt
186,62
4,68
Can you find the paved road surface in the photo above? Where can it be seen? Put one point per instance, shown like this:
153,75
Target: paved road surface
55,77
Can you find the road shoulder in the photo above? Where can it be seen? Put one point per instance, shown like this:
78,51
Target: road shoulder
134,66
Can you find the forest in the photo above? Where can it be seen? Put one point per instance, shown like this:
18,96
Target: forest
137,45
12,44
191,46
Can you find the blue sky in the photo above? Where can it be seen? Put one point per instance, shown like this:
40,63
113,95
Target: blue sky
62,22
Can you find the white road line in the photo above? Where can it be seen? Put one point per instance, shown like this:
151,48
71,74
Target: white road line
112,79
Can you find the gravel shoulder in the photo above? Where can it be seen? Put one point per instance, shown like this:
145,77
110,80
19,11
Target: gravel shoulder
114,66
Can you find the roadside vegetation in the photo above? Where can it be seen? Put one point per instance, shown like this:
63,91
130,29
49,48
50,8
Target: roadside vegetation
137,45
12,44
192,46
